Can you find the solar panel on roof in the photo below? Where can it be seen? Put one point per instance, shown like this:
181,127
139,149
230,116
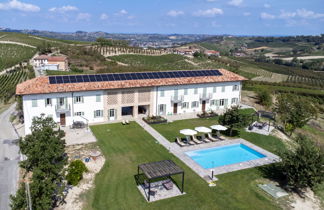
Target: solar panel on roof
104,77
131,76
52,80
72,79
86,78
79,79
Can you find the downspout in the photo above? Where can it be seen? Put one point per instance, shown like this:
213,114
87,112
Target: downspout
72,108
156,103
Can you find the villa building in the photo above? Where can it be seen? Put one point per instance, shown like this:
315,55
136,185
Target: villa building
108,97
45,62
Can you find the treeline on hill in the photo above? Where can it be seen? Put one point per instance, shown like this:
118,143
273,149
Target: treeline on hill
111,42
317,40
281,69
317,64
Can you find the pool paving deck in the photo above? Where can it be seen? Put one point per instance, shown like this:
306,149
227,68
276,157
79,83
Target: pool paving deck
179,152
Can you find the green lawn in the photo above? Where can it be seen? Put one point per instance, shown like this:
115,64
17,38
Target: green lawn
127,146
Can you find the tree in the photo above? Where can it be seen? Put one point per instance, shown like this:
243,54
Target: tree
46,158
304,166
233,118
265,98
294,111
198,54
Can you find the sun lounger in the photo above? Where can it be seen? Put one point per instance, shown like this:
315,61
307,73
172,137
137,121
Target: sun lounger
189,141
123,122
205,139
168,184
210,137
222,138
180,142
194,139
127,122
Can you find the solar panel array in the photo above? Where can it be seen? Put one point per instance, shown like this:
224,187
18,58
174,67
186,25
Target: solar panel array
131,76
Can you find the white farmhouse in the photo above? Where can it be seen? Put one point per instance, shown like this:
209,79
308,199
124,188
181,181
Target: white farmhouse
108,97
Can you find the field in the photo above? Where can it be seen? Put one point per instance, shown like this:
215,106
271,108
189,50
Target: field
11,54
127,146
8,84
31,40
163,62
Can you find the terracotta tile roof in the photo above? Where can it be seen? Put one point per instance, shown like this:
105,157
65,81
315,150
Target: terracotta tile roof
41,85
51,58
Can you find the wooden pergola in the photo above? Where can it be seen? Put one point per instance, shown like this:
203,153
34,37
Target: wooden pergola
160,169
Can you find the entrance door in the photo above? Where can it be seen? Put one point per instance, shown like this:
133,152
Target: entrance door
112,114
175,108
203,108
62,119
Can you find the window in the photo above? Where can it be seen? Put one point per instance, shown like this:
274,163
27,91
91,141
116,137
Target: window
162,93
221,102
196,91
234,101
217,102
98,113
48,102
194,104
225,102
223,88
185,105
78,99
162,109
34,103
186,91
214,89
79,113
61,101
236,87
98,98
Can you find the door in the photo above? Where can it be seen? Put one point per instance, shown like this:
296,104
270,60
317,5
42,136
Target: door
175,108
112,114
203,108
62,119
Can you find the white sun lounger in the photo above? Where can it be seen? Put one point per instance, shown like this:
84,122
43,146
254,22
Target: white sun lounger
194,139
210,137
180,142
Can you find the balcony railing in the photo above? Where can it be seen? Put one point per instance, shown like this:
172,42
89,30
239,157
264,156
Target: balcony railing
62,108
177,99
206,96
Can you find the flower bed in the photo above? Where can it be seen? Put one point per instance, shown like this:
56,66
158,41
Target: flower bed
207,114
154,120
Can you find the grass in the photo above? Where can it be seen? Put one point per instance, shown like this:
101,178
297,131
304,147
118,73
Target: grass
127,146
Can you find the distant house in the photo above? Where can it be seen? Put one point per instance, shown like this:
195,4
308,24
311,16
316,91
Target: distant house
46,62
212,53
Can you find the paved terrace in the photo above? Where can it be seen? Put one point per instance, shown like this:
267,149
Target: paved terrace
206,173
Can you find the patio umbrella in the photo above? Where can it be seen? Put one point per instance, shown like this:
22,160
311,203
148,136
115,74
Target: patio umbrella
188,132
219,127
203,129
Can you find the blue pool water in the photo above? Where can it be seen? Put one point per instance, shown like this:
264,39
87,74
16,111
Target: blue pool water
224,155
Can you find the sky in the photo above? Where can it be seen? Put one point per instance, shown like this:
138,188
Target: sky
236,17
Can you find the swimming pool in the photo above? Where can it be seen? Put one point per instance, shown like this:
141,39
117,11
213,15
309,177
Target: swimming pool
224,155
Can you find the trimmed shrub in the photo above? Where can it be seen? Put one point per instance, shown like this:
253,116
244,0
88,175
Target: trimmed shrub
75,172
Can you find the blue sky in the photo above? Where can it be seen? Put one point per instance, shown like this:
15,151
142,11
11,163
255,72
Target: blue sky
237,17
